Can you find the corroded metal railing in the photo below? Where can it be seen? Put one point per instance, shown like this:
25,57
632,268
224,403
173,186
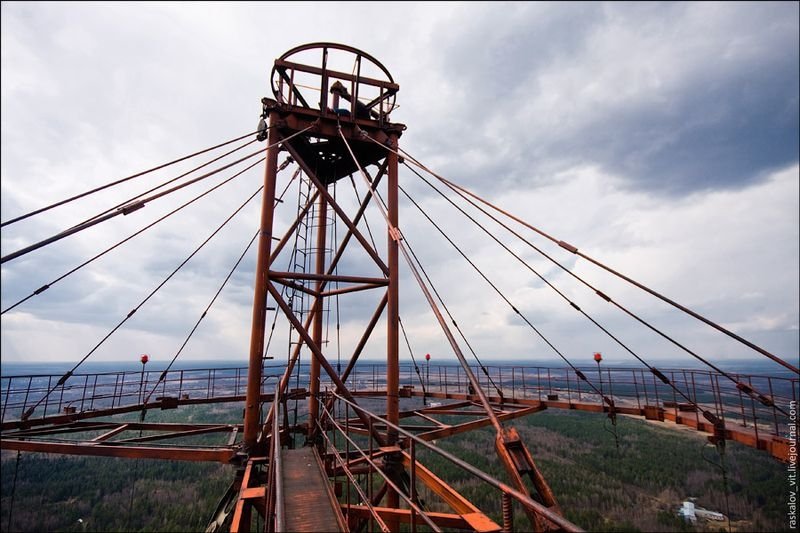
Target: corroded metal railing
559,387
367,456
107,391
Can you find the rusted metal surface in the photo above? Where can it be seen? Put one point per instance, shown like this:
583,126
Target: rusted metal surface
242,512
322,225
290,231
519,462
170,430
524,499
459,503
252,404
315,349
636,393
97,413
331,268
478,522
339,211
277,500
393,306
476,424
389,469
321,276
508,514
510,449
179,434
310,506
384,88
392,316
170,453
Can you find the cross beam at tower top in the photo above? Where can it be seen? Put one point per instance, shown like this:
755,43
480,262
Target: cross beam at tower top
326,95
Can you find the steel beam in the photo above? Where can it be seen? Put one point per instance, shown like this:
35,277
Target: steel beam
252,402
339,211
444,520
315,350
475,424
313,399
220,455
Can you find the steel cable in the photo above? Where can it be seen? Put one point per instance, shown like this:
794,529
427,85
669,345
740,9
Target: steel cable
452,319
441,301
578,373
130,208
720,448
336,273
746,388
76,197
366,221
641,286
66,376
411,352
522,498
575,250
99,255
396,235
13,490
163,375
572,304
164,184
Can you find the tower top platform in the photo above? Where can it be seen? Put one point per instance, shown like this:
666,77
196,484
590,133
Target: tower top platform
333,86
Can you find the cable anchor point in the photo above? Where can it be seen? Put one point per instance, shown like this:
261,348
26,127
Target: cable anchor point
262,129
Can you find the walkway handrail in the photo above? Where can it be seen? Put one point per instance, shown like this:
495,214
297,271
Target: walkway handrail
91,395
523,499
327,415
277,469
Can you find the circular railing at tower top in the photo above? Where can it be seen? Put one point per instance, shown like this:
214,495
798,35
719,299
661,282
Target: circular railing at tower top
334,78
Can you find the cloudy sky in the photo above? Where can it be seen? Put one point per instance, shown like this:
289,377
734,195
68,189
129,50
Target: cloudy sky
661,139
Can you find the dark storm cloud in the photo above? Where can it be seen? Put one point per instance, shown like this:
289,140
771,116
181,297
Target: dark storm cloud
718,135
674,98
488,55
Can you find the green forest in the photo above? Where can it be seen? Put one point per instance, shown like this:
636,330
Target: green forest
635,486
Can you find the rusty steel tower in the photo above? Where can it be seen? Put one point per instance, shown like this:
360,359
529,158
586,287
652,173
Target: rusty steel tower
327,139
326,133
333,124
352,457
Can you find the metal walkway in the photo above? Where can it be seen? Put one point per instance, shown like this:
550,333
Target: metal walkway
310,505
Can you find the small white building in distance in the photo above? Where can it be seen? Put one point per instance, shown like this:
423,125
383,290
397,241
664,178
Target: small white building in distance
690,513
687,512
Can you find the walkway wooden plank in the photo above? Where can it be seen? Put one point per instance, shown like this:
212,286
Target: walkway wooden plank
310,505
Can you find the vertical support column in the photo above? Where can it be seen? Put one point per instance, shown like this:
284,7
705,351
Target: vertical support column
313,400
393,306
392,319
253,395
